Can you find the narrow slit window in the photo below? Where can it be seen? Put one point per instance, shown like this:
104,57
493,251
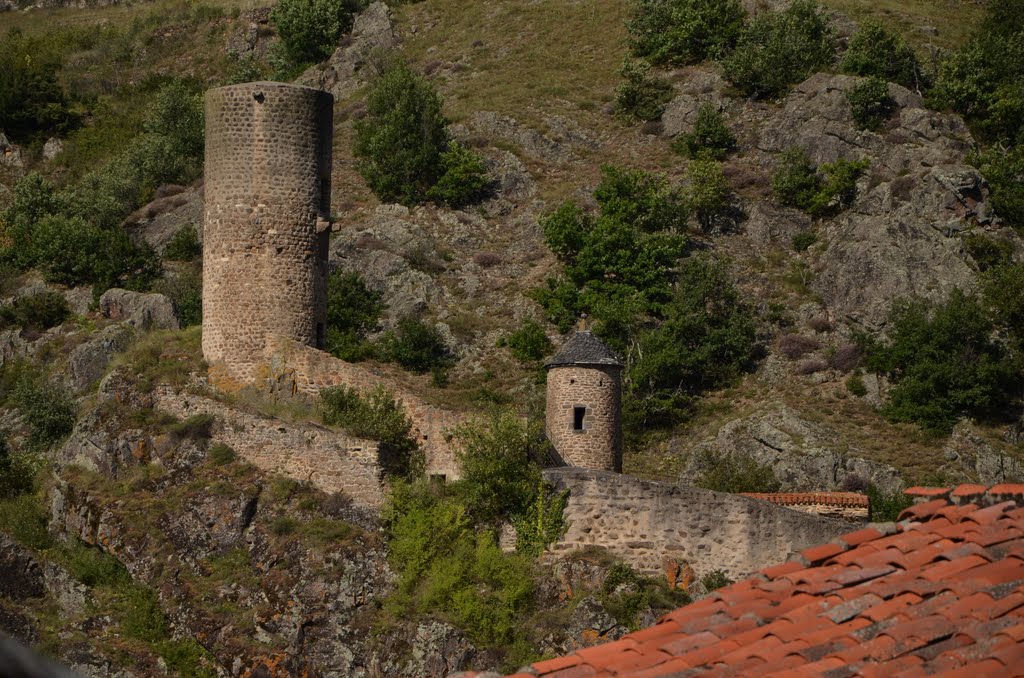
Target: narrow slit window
577,418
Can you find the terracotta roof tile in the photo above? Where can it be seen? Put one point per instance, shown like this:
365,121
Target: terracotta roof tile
840,499
941,592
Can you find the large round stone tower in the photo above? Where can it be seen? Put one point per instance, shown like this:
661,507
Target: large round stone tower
584,403
267,222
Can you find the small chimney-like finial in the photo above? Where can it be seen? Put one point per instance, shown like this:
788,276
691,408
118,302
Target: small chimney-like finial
583,325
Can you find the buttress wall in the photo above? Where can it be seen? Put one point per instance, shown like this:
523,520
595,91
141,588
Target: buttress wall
267,222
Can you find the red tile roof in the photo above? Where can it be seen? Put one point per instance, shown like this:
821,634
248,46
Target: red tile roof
851,499
941,592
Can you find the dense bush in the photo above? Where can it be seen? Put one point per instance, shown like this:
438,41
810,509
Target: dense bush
709,194
17,471
176,114
710,135
627,594
33,104
987,252
779,49
684,31
377,416
715,579
821,192
640,95
48,411
874,51
310,30
1001,290
184,245
1003,169
403,147
528,342
982,79
803,240
618,264
706,340
416,346
944,364
185,290
887,507
735,473
870,103
35,313
353,312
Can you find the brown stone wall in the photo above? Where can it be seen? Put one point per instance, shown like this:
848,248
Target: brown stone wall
267,213
330,461
648,524
599,389
296,368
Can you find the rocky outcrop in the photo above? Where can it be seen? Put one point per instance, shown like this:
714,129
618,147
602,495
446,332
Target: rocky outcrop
350,67
973,458
144,311
173,208
899,237
89,361
804,456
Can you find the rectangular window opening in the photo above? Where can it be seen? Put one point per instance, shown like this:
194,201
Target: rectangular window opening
577,418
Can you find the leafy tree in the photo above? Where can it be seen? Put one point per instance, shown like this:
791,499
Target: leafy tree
707,339
1001,290
987,252
176,114
710,135
870,103
684,31
416,346
353,312
778,49
310,30
1003,169
709,193
876,52
642,96
33,104
528,342
185,245
403,146
944,364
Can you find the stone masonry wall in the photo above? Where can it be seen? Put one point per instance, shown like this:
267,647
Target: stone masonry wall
650,524
599,444
296,368
267,218
330,461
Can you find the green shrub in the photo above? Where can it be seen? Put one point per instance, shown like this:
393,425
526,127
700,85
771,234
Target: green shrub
529,342
185,290
779,49
887,507
94,567
283,525
221,454
684,31
353,312
987,252
1003,169
187,658
403,147
710,135
185,245
17,471
981,80
542,522
498,463
709,194
377,416
855,385
24,518
310,30
1000,288
463,177
875,52
176,114
735,473
870,103
34,198
35,313
246,69
626,594
821,192
139,613
715,579
944,364
47,409
416,346
33,104
706,340
803,240
640,95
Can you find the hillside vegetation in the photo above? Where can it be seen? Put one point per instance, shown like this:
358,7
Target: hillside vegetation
800,225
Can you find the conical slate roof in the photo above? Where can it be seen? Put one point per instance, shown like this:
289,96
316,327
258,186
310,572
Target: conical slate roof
583,348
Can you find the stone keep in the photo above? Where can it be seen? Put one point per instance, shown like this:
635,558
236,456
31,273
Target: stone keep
583,415
267,222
